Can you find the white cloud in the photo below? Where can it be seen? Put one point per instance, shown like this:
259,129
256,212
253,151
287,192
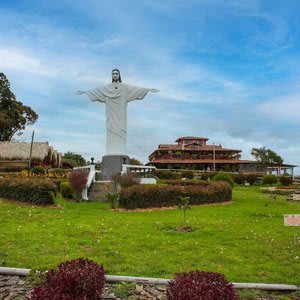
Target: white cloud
286,108
15,59
64,133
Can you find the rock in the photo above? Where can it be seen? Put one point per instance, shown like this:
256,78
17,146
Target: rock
13,280
21,282
161,288
11,296
139,288
4,293
2,284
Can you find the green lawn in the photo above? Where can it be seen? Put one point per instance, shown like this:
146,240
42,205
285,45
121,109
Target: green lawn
245,240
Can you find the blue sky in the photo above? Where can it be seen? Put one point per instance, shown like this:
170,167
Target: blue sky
226,70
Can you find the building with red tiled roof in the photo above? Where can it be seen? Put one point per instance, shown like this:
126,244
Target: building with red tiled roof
194,153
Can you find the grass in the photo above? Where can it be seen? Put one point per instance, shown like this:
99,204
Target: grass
245,240
267,295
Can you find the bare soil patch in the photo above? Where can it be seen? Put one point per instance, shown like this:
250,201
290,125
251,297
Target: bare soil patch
168,207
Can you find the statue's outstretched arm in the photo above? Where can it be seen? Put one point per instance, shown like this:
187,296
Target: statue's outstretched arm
154,90
80,92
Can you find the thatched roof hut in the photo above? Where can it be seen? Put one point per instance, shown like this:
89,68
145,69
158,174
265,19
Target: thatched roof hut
15,155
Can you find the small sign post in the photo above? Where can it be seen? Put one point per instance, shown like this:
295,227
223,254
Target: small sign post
292,220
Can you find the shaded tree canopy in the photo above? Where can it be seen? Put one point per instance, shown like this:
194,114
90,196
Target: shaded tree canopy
266,156
134,161
74,159
14,115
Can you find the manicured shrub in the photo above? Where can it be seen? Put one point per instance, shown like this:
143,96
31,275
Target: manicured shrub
201,285
224,177
238,178
78,180
270,179
278,191
126,180
204,176
98,176
34,190
212,175
38,170
286,180
187,174
76,279
58,181
185,182
66,190
251,178
166,174
143,196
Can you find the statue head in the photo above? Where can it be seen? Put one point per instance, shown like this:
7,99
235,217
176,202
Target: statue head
116,75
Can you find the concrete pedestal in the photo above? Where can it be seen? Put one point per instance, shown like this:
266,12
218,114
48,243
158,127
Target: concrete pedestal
112,165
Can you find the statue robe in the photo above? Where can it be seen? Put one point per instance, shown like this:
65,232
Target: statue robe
116,96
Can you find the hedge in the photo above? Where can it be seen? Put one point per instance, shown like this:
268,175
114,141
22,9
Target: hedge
251,178
188,174
144,196
166,174
39,170
224,177
270,179
185,182
58,182
239,178
204,176
33,190
278,192
286,180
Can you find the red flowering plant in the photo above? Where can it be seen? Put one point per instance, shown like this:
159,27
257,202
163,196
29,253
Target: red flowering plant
78,181
50,293
196,285
78,279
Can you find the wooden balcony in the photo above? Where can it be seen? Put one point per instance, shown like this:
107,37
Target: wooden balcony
195,157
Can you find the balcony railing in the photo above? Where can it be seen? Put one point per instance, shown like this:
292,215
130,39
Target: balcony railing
191,156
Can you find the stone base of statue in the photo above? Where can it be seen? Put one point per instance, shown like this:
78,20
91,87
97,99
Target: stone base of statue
112,165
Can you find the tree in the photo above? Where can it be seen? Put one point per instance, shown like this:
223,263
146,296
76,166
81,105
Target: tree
134,161
74,159
266,156
183,203
14,115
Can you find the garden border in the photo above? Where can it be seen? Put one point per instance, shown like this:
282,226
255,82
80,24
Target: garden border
162,281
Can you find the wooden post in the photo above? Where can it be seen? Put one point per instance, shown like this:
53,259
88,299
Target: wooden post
214,157
30,154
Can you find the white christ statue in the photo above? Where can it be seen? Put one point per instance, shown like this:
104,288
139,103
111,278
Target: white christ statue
116,97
